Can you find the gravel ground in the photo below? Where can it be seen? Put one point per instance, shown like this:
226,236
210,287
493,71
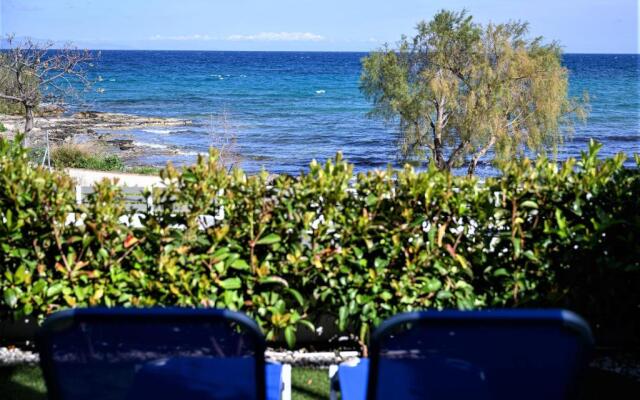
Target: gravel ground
623,365
10,356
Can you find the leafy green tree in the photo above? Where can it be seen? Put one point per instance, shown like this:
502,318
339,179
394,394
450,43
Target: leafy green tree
459,89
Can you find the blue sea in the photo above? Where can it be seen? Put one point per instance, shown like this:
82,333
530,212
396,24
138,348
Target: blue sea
287,108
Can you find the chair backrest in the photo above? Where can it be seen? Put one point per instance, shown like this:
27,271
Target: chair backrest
152,353
492,354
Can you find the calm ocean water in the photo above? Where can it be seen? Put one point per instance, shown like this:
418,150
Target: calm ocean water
288,108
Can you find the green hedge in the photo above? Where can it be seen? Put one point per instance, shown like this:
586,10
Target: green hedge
360,248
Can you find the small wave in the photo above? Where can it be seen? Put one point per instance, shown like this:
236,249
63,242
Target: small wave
190,153
165,131
112,80
152,145
321,91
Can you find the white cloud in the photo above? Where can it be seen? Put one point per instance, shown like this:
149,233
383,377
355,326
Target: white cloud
182,38
279,36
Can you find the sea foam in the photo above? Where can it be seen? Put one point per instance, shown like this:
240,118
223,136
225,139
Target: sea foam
165,131
151,145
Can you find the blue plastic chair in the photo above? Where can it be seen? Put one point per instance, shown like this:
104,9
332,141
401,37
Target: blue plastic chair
492,354
155,353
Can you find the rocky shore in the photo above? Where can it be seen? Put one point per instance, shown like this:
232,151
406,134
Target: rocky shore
106,131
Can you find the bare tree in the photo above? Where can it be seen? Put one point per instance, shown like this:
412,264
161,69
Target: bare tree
32,73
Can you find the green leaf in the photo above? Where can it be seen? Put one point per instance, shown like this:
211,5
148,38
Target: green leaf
529,204
290,335
364,331
240,264
380,262
560,219
463,262
296,295
433,285
275,279
530,255
221,253
189,176
10,297
500,272
231,283
342,318
103,253
54,289
308,324
444,295
20,274
269,239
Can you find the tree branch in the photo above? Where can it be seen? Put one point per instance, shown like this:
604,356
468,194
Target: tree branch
456,152
480,154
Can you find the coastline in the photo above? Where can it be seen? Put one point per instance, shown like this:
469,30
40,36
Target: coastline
100,131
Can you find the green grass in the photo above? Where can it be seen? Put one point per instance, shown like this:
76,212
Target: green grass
144,170
26,383
22,383
309,384
68,156
73,156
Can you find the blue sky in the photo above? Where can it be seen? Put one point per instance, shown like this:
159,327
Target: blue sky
589,26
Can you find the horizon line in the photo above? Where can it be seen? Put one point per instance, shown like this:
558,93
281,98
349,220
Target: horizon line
288,51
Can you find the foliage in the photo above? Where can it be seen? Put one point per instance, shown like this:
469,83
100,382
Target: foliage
144,170
77,156
71,156
10,108
291,249
74,156
27,383
2,127
465,88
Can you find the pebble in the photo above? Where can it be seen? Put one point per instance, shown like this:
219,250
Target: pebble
10,356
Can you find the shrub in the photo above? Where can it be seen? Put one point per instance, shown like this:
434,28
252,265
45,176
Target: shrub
291,249
72,156
144,170
11,108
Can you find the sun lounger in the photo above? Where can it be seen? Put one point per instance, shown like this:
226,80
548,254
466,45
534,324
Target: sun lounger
157,353
493,354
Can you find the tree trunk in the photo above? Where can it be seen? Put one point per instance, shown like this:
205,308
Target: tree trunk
437,145
438,128
28,118
479,155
